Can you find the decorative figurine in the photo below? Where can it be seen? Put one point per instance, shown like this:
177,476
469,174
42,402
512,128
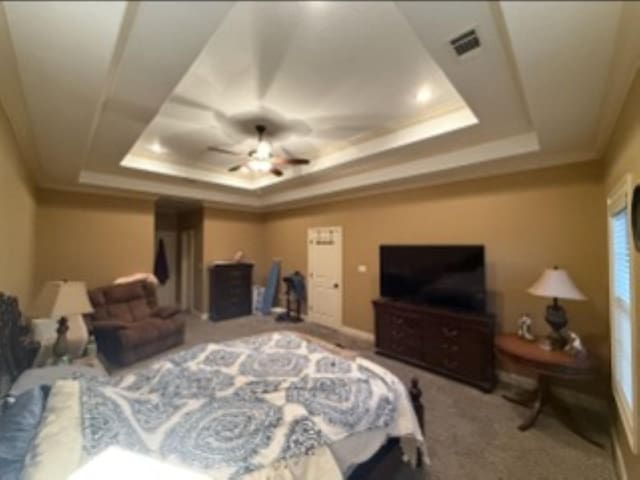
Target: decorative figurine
574,344
524,328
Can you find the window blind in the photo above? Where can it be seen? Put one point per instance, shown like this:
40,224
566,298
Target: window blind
621,284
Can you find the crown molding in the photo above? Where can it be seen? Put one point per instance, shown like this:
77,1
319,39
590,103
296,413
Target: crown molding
457,119
121,182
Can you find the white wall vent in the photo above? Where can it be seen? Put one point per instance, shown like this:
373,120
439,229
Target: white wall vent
466,42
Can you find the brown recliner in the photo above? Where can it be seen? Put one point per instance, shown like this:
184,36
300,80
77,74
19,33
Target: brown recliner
129,325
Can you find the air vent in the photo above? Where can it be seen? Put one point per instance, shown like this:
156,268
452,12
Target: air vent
466,42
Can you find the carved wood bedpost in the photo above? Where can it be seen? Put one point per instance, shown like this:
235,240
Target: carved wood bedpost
415,393
17,348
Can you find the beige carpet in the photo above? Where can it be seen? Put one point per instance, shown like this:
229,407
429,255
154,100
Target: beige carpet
470,435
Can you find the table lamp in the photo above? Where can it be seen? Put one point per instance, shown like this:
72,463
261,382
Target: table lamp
60,300
556,283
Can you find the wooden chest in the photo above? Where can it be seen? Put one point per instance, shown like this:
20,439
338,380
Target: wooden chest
230,290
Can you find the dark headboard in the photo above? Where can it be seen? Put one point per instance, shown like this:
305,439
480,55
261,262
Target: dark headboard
17,348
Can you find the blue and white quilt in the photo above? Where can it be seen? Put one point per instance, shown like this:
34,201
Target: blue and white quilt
239,406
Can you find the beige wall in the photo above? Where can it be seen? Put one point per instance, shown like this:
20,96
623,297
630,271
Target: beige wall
224,233
527,222
97,238
93,238
18,214
623,157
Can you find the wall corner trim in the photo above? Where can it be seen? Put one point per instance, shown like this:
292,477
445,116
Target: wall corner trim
618,459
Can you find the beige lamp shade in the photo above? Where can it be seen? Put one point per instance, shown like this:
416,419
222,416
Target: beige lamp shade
556,283
61,298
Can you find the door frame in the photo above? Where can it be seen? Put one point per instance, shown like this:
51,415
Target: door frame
187,266
310,314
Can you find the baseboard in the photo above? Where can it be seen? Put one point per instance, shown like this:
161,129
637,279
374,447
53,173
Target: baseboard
590,402
618,460
201,315
516,380
354,332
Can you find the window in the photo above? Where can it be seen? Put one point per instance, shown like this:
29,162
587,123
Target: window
621,304
622,307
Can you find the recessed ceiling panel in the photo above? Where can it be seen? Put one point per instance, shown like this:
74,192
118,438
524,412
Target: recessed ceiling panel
322,76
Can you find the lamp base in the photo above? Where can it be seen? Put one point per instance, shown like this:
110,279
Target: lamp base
556,317
60,346
557,341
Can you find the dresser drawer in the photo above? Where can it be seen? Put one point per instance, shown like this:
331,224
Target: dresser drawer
463,351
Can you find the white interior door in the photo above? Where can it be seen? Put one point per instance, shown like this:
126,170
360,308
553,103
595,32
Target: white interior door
325,275
167,292
187,269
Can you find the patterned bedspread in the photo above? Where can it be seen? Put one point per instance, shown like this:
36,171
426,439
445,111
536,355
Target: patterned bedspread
235,407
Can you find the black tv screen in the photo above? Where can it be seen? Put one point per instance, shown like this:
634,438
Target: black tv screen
439,275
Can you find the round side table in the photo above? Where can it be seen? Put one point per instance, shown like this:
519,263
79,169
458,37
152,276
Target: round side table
546,366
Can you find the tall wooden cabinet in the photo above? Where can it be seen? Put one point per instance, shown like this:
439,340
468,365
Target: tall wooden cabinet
456,344
229,290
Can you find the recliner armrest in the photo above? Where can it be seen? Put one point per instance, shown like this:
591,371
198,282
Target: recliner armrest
108,325
166,311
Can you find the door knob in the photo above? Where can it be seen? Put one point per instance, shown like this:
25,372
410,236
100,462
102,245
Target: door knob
335,285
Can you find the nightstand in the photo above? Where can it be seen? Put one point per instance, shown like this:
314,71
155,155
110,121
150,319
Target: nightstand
546,366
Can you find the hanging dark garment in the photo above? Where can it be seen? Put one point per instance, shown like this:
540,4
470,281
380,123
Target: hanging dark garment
299,289
161,266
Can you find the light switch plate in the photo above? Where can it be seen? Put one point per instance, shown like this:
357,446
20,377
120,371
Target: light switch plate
362,268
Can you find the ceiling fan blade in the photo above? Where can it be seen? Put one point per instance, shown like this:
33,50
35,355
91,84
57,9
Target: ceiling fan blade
291,161
235,168
223,150
297,161
276,171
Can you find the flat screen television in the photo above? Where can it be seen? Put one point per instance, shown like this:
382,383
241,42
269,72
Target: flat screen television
449,276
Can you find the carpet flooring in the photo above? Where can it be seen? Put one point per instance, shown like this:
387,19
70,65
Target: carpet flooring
470,435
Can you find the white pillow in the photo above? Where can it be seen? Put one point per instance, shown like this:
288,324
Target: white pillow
32,377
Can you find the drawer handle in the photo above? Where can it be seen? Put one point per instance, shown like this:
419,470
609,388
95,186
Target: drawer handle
450,332
397,333
450,347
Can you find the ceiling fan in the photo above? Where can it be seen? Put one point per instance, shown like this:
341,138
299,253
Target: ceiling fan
261,158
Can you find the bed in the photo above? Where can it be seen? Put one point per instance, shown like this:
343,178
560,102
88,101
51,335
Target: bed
278,405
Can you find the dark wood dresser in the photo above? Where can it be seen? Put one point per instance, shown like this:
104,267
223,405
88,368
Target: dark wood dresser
458,345
230,290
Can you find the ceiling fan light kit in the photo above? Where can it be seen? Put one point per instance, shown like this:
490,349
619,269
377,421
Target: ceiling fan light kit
264,150
261,159
258,165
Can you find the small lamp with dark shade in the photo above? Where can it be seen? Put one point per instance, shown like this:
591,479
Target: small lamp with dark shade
60,300
556,283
